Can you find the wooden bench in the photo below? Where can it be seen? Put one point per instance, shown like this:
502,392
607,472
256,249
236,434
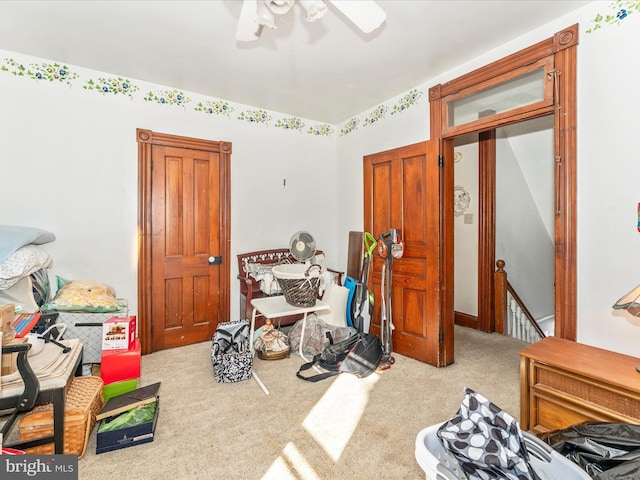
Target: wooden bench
250,287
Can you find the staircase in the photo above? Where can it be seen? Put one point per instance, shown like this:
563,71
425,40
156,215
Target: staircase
512,316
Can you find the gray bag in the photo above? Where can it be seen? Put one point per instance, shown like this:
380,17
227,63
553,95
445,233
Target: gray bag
359,355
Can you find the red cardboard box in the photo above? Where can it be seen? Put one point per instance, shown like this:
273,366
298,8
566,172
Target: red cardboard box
118,365
119,333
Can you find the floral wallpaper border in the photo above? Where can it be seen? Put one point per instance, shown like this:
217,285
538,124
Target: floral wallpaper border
55,72
114,85
621,8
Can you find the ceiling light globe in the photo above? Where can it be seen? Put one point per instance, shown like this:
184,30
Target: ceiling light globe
279,7
315,9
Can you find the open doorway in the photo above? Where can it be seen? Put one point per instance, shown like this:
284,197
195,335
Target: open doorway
504,209
535,82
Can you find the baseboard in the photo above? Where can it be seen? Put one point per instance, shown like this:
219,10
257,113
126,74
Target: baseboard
465,320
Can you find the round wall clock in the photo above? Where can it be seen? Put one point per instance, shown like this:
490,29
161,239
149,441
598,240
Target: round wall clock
461,200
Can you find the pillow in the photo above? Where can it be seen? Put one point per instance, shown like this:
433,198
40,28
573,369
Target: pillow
13,237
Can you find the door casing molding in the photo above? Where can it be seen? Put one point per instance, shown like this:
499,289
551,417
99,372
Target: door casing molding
562,48
146,139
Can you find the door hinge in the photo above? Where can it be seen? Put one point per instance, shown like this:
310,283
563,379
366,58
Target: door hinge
215,260
441,337
440,160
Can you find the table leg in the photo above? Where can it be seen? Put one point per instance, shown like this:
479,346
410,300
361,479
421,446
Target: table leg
252,350
262,386
58,420
252,330
304,325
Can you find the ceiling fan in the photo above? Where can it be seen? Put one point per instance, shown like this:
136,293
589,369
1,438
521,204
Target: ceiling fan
256,14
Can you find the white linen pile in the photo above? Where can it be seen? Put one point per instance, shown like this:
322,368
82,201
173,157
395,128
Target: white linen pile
22,263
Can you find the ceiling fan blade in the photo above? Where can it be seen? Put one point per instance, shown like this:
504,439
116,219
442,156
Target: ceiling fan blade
248,29
365,14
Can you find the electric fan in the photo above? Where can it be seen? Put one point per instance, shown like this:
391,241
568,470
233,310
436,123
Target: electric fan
302,246
300,282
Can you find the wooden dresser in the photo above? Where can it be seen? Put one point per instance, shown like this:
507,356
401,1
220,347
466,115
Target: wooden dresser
563,383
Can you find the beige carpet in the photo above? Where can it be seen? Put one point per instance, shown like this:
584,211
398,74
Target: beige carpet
341,428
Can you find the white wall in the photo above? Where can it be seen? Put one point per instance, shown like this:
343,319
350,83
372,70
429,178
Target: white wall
465,235
608,177
68,163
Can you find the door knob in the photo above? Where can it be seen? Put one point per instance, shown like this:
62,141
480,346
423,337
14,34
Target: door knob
215,260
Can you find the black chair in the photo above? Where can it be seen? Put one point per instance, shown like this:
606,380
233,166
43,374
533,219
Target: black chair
14,405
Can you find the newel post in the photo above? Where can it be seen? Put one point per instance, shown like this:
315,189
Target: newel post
500,289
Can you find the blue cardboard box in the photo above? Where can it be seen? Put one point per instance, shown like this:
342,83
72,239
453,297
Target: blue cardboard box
129,436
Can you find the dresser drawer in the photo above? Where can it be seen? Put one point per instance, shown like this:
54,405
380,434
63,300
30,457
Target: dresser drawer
558,390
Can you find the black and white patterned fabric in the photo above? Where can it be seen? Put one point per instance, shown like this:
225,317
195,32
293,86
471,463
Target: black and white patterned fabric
232,367
486,441
230,354
231,337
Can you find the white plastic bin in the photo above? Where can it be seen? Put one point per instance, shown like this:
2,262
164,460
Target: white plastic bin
439,464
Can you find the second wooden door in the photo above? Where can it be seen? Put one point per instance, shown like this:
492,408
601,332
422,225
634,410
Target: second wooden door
402,191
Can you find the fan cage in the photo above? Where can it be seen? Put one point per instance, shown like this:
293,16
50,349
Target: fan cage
309,246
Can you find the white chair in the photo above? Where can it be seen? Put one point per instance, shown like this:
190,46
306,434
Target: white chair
336,296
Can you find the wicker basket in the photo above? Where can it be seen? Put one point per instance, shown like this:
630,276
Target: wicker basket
300,283
83,402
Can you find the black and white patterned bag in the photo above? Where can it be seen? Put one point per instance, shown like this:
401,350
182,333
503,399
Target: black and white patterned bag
486,441
230,354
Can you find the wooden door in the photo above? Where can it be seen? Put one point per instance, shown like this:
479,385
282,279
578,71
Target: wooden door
184,286
402,191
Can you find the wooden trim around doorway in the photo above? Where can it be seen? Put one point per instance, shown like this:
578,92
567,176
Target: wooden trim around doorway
562,47
146,140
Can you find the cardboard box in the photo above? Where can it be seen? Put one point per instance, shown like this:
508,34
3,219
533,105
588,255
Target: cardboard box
119,333
127,437
118,365
118,388
9,362
87,327
7,317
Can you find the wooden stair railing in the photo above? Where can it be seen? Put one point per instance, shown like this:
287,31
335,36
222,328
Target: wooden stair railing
512,316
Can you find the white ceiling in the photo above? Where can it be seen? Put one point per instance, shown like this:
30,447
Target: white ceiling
326,71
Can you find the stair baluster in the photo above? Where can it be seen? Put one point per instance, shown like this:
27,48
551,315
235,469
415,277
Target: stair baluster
512,316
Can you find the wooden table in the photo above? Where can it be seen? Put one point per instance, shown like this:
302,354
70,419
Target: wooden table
53,386
563,383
